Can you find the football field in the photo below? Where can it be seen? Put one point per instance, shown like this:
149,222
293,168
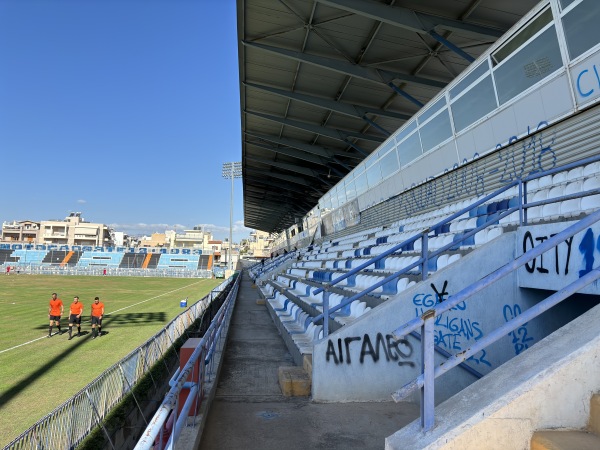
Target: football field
38,373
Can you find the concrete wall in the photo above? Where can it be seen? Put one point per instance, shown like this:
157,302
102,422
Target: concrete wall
362,362
549,386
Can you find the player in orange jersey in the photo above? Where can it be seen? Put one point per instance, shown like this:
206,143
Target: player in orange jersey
75,316
97,314
55,311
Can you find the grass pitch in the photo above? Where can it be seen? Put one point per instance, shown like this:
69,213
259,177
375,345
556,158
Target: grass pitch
36,373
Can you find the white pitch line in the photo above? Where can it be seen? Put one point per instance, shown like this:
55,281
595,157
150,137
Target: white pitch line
127,307
147,300
21,345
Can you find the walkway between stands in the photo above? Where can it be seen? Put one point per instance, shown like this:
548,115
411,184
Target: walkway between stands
250,412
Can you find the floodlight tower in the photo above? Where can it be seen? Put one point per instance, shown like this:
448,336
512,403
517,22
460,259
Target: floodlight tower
231,170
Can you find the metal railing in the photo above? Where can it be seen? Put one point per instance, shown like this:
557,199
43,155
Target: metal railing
423,236
204,355
426,322
66,426
262,268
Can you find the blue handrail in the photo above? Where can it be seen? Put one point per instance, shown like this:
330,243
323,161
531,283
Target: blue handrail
425,381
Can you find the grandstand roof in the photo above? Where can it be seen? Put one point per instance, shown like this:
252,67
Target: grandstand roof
324,82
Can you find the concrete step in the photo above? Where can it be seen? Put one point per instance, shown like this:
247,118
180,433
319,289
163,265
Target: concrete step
294,381
572,439
564,440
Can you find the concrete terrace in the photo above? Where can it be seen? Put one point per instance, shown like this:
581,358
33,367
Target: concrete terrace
249,410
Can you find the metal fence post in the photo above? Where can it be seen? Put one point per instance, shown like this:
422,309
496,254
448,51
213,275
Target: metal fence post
100,419
424,253
428,370
326,312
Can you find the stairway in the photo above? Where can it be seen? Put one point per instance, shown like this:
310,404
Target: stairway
588,439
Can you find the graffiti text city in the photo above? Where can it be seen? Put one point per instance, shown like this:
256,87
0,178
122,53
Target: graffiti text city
537,264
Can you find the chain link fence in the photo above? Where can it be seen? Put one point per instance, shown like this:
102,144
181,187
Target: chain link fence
69,424
113,271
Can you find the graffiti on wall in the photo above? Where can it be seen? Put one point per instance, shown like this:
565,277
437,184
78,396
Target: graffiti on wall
517,159
452,331
520,337
575,253
561,255
365,349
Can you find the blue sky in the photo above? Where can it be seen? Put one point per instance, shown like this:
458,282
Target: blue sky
124,110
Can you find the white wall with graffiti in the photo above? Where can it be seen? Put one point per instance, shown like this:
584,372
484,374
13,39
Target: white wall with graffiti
363,361
566,263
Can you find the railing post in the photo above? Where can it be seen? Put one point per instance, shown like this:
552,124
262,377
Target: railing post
522,200
326,312
99,418
424,253
428,370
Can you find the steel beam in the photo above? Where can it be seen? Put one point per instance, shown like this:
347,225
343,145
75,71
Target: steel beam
338,107
346,68
314,149
407,18
332,133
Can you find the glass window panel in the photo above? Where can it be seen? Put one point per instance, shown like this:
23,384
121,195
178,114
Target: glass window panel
361,184
436,131
412,126
531,64
565,3
373,175
341,196
475,104
432,110
522,36
370,162
410,149
333,199
389,164
469,79
585,16
350,190
386,147
358,170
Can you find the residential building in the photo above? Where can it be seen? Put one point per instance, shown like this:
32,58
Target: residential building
74,230
196,238
260,244
20,231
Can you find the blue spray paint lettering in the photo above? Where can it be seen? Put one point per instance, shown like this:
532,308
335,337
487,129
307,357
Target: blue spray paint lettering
520,339
586,247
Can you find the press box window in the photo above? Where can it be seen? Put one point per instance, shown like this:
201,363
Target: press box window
581,25
527,66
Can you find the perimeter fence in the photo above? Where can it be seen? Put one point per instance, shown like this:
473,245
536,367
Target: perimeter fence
112,271
67,425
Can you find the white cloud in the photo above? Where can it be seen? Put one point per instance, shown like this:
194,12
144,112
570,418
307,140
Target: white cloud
81,201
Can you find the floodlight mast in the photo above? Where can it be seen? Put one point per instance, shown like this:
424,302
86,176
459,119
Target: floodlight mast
231,170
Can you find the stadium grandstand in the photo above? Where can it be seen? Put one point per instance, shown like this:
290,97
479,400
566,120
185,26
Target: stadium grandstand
29,258
429,174
438,175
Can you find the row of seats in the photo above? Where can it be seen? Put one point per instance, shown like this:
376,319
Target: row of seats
189,262
296,322
103,259
112,260
290,292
